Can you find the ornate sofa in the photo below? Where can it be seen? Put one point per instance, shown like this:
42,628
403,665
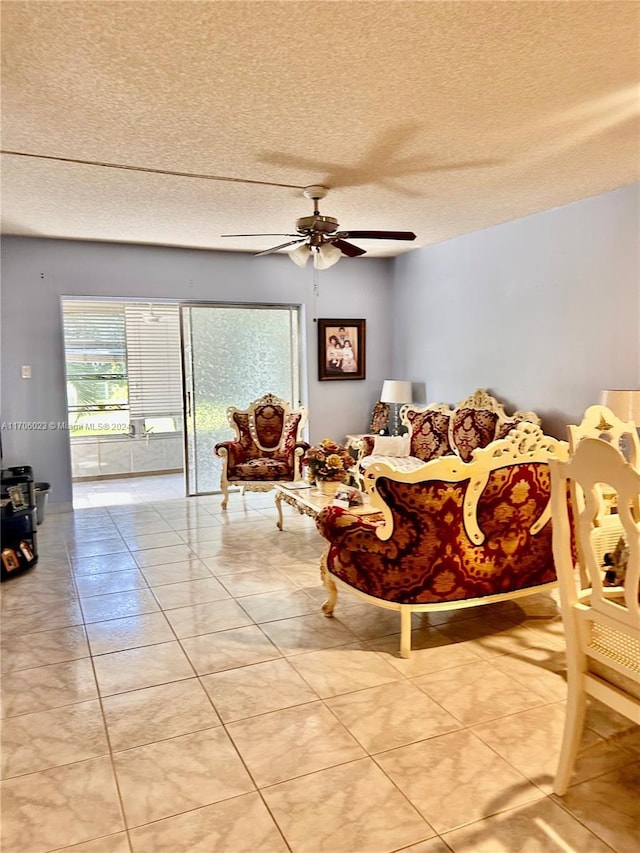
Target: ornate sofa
267,449
440,430
452,533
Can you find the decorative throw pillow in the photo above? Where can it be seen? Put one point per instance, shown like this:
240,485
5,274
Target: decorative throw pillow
429,434
391,445
471,428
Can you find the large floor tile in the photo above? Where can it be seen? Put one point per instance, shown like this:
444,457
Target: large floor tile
300,634
115,635
228,649
268,607
122,561
540,827
391,715
292,742
170,573
343,669
117,605
161,556
238,825
33,616
46,739
531,741
256,689
133,669
97,548
610,806
430,651
43,687
26,651
156,713
56,808
188,593
455,778
351,808
109,582
176,775
138,541
476,692
206,618
255,582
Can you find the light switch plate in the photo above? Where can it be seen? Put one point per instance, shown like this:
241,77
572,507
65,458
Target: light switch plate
26,371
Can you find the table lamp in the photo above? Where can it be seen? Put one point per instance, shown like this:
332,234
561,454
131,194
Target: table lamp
395,391
625,404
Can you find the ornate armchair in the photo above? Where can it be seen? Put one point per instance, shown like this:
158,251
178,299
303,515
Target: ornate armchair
267,448
454,534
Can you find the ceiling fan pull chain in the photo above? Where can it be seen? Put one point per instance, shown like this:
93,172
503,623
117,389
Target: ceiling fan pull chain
316,291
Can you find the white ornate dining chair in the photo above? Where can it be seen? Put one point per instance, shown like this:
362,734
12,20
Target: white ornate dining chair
600,422
602,624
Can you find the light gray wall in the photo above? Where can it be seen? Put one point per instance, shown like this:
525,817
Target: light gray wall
543,311
36,272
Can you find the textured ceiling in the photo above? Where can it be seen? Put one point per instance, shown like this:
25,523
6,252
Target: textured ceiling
436,117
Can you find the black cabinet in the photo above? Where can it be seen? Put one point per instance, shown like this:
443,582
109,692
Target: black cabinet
19,520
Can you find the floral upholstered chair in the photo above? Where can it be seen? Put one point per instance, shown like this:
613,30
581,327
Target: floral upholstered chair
267,449
452,534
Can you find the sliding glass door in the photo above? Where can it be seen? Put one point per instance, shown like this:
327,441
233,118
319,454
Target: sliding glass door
232,354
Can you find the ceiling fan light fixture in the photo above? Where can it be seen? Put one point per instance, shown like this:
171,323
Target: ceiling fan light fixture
300,256
326,256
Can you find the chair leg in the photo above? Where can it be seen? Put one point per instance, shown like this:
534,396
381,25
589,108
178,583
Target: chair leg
405,632
224,487
573,727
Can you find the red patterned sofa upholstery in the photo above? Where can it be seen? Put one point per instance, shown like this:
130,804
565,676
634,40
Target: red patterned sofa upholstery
267,448
440,430
453,534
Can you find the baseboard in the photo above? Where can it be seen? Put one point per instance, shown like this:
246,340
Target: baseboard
128,475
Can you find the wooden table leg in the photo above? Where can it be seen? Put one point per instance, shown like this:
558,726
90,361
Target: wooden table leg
279,508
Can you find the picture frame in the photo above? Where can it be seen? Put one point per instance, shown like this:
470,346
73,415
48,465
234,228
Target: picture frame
380,419
26,550
17,498
10,560
341,349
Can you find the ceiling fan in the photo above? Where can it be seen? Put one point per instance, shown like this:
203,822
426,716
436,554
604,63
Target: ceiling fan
321,237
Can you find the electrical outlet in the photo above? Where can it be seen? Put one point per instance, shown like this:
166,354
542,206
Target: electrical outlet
26,371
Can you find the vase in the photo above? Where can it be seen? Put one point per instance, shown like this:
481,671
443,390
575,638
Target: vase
328,487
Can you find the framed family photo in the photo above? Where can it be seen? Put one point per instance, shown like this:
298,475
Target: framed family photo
341,349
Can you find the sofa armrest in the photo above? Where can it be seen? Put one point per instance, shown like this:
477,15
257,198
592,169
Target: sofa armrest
351,532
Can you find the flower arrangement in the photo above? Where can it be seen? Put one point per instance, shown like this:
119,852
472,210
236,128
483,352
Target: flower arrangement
328,461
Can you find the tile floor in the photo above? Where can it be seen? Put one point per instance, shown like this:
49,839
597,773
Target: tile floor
119,491
170,686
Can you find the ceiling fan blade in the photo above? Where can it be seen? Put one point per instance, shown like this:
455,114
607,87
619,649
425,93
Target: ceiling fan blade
348,249
259,235
281,246
381,235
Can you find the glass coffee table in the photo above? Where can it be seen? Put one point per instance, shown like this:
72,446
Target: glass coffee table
307,500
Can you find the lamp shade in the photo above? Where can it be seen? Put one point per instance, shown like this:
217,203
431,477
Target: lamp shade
326,256
395,391
625,404
300,256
